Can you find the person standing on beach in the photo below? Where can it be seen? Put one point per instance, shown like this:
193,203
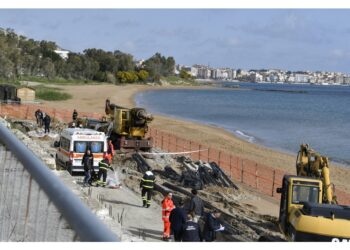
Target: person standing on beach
196,206
38,116
191,231
167,206
47,121
147,185
88,164
177,220
103,166
110,150
212,226
75,115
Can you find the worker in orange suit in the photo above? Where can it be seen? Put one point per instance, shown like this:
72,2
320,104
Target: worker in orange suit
110,150
167,206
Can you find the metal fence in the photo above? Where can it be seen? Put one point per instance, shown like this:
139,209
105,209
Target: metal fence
35,205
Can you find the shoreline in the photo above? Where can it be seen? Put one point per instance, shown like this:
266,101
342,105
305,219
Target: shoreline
236,135
92,97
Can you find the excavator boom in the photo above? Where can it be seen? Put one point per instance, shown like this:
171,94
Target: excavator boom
312,164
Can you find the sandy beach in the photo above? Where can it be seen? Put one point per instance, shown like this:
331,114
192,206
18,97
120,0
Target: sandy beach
91,98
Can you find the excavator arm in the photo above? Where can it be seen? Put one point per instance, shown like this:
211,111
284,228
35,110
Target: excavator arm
312,164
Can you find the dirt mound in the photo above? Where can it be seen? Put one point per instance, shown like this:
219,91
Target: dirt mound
241,220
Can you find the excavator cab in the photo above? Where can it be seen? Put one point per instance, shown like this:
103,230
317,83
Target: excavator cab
308,210
295,192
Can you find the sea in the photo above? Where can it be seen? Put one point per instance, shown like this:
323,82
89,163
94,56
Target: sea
278,116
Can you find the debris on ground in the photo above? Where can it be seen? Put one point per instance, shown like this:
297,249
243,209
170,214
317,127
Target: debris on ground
180,174
176,174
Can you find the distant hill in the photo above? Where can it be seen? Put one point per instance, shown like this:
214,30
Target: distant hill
22,58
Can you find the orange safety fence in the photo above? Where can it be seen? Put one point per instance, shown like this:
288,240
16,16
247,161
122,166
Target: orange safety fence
263,178
258,176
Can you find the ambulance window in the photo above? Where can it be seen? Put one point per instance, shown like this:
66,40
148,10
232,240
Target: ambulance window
80,146
96,147
64,144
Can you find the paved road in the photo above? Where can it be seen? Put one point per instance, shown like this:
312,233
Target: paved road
121,209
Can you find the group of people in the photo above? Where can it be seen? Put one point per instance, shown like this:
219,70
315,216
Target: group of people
182,222
179,221
104,165
43,119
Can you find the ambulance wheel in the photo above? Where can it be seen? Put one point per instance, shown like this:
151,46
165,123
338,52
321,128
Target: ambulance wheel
58,164
69,169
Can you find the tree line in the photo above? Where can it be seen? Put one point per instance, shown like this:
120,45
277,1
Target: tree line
22,58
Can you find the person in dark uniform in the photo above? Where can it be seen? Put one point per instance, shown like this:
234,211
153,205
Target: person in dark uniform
39,118
75,115
47,121
147,185
196,206
191,231
212,225
88,164
103,165
177,219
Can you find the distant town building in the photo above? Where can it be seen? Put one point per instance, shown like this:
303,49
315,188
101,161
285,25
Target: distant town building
266,75
301,78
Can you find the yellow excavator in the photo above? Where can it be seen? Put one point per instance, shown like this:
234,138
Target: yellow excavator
127,128
308,207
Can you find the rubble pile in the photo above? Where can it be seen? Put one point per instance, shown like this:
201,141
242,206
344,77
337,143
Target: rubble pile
176,174
26,130
217,191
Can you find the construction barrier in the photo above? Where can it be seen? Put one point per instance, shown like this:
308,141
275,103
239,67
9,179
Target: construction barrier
258,176
263,178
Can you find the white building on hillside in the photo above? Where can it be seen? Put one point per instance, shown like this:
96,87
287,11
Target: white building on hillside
62,53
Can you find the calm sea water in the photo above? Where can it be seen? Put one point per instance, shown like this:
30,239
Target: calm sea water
277,116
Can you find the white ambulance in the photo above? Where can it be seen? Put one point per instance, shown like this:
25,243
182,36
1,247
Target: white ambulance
73,144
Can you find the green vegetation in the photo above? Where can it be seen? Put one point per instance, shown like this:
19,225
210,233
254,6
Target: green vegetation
159,65
185,75
51,94
24,59
132,76
175,80
61,81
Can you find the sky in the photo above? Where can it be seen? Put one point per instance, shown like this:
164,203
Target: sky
289,39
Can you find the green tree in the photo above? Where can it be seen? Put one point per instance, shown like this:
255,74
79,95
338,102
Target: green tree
143,75
121,76
6,69
158,66
124,61
48,68
184,74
